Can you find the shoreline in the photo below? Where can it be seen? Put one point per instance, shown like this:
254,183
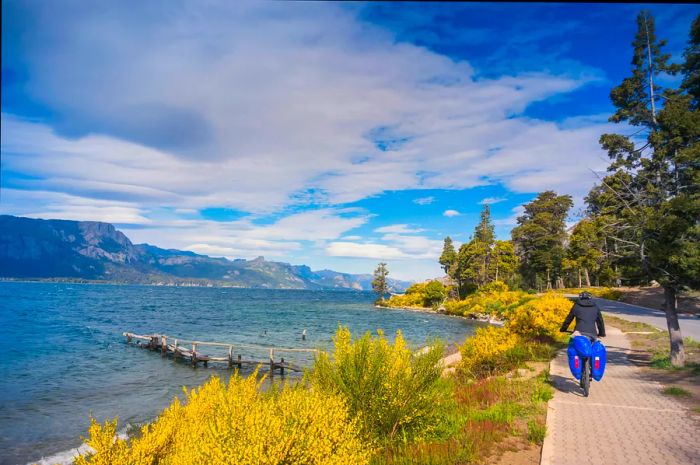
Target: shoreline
483,318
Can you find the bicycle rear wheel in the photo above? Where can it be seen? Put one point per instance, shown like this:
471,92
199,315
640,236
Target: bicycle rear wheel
586,376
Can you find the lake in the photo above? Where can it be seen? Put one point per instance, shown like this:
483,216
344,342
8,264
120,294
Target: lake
64,357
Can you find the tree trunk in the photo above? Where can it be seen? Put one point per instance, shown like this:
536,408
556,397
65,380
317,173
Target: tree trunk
549,283
674,329
588,278
579,278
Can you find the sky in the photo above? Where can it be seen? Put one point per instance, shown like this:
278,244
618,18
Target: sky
336,135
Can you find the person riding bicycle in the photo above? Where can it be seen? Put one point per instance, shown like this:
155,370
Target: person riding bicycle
588,317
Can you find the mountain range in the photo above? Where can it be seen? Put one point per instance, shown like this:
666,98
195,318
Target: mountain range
95,251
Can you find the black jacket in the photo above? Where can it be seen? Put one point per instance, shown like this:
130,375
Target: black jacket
587,316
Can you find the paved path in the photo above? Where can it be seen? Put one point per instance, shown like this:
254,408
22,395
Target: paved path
625,420
690,325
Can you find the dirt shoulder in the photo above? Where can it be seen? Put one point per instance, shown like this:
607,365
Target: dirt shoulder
653,297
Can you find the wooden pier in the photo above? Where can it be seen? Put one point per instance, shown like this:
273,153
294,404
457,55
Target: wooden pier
231,354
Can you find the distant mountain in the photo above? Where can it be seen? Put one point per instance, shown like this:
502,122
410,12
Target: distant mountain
95,251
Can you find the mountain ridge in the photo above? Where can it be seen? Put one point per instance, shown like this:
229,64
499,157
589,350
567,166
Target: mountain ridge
96,251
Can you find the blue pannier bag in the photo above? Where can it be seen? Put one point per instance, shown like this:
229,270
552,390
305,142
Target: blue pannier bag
574,360
579,346
598,359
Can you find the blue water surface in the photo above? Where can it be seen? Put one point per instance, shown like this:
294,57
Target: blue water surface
64,357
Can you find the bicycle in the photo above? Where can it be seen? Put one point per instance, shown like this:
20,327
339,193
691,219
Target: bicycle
587,360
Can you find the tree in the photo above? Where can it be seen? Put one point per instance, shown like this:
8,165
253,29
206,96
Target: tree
380,284
539,238
435,293
652,204
473,263
448,257
586,251
504,262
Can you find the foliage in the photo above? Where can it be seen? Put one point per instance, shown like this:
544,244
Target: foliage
493,299
237,423
540,318
588,252
448,257
483,259
419,295
394,393
650,201
380,285
676,391
539,238
485,353
536,432
602,292
484,413
435,293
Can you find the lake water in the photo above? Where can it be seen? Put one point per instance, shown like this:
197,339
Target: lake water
64,356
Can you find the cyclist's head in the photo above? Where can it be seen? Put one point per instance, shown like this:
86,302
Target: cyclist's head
585,295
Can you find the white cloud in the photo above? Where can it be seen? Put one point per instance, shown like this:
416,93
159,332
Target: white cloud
364,250
200,109
492,200
399,229
512,220
424,200
450,213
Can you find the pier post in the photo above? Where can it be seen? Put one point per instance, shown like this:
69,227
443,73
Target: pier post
230,357
272,363
163,345
240,365
194,354
282,367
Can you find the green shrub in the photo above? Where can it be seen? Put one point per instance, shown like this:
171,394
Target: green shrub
536,432
393,392
420,295
676,391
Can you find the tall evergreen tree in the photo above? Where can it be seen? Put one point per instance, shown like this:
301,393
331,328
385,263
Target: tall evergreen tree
504,262
448,257
653,204
484,230
473,264
539,238
380,283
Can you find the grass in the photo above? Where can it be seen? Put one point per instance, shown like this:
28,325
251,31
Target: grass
484,413
536,432
676,391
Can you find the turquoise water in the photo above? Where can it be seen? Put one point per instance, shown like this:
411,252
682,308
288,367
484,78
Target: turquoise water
64,357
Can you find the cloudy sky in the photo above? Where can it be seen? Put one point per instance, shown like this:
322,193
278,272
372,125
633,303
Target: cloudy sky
334,135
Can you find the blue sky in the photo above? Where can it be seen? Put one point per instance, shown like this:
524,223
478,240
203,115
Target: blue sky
335,135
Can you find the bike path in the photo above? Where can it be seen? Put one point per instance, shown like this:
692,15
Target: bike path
625,420
690,324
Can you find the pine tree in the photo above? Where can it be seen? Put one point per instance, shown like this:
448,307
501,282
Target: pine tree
380,284
539,238
652,205
448,257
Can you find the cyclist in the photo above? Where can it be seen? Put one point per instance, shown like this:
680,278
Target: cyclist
588,317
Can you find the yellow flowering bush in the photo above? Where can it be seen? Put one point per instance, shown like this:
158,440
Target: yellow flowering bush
237,424
419,295
485,353
394,392
539,318
603,292
494,299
